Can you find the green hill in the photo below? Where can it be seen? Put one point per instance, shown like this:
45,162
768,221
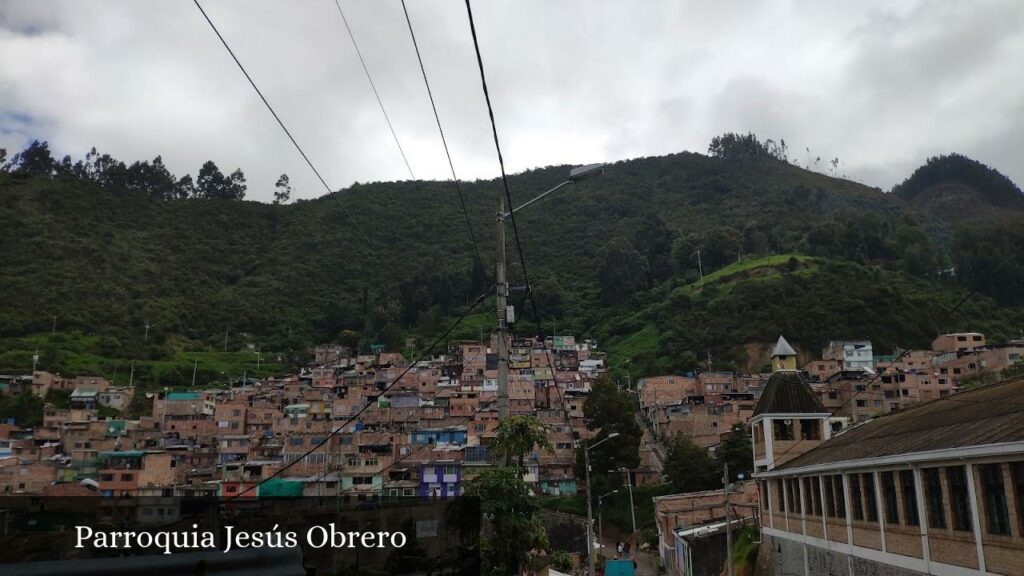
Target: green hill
613,258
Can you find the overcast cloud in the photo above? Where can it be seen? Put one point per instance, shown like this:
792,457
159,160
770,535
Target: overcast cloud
881,85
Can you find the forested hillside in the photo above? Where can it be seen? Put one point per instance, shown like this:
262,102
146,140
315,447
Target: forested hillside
614,257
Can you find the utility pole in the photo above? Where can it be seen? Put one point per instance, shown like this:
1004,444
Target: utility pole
728,524
131,376
700,268
632,509
195,367
225,339
501,295
53,330
590,515
146,337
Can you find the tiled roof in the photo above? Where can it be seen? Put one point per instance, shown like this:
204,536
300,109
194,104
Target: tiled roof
988,415
787,392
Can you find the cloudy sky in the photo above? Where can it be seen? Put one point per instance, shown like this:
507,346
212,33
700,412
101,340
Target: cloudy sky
879,84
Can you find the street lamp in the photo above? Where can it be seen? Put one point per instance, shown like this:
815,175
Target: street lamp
590,504
600,523
576,175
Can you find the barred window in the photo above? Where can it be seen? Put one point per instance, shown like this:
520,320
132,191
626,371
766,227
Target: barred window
997,516
960,505
909,497
780,486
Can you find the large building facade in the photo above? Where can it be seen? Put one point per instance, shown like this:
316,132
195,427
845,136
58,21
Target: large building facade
935,489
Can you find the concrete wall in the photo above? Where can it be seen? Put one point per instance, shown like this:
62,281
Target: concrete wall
781,557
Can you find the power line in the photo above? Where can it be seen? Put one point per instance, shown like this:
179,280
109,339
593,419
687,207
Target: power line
444,141
374,88
508,199
278,118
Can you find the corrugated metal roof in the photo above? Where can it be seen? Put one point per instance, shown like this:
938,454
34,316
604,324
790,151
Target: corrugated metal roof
988,415
787,392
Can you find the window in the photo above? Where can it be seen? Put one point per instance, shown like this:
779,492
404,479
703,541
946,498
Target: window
794,495
126,477
810,430
1017,477
783,429
933,497
960,505
830,498
449,470
858,498
837,484
862,403
779,490
371,462
909,497
892,509
814,496
296,441
870,501
994,496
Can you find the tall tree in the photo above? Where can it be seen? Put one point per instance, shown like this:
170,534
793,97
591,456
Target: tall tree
623,271
35,160
689,467
282,190
609,410
213,184
516,436
653,240
513,525
737,451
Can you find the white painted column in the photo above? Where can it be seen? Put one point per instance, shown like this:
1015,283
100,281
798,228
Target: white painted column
972,492
803,521
769,445
879,507
785,500
771,503
849,520
922,518
824,506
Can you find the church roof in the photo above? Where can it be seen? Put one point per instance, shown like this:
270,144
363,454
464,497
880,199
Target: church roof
782,348
787,392
978,417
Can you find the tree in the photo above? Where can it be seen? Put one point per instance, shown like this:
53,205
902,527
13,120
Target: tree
35,160
653,240
26,409
282,190
185,187
623,271
609,409
516,436
737,451
746,147
212,184
689,467
513,525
